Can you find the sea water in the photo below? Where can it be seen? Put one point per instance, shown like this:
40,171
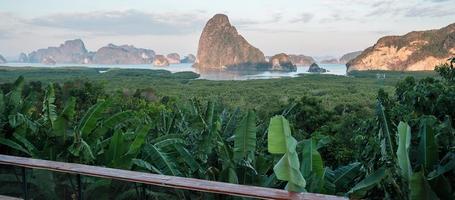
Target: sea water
335,69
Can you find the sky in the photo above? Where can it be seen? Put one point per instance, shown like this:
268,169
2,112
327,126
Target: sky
319,28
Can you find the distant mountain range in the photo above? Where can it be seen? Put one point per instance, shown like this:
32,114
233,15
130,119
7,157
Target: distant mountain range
74,52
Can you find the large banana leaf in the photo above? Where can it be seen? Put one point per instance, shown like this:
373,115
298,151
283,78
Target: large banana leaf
420,189
278,132
344,176
447,164
428,151
312,166
210,113
49,108
280,141
187,157
404,141
27,144
83,150
146,165
62,123
387,144
15,95
91,117
245,137
116,150
14,145
361,188
113,121
139,140
161,159
311,159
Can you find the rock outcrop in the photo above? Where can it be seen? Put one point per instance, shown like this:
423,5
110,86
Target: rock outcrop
2,59
314,68
124,54
221,46
330,61
173,58
301,59
418,50
23,58
281,62
349,56
72,51
160,61
190,58
48,61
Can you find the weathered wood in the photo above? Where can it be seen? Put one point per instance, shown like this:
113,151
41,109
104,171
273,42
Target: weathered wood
162,180
9,198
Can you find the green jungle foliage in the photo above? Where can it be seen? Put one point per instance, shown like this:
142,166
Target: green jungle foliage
350,136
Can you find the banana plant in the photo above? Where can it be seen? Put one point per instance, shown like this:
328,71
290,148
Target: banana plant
281,142
312,167
425,179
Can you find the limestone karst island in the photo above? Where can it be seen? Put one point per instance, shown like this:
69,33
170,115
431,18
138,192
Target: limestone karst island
204,99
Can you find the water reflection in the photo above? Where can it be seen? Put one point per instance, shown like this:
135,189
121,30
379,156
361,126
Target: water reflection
336,69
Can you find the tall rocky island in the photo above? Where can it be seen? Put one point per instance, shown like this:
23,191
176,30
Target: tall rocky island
222,47
417,50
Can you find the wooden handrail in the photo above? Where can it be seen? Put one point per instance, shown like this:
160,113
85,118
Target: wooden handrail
162,180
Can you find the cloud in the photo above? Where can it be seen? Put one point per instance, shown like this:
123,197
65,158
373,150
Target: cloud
433,11
5,34
304,17
414,9
129,22
437,1
238,22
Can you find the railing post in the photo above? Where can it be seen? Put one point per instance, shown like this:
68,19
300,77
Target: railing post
24,183
144,192
79,187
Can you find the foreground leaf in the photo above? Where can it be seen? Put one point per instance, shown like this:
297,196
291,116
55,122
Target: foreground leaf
281,141
245,137
428,151
371,181
404,141
420,190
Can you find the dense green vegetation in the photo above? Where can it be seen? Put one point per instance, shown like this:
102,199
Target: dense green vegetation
356,136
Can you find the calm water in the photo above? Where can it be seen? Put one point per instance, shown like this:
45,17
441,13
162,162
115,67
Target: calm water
336,69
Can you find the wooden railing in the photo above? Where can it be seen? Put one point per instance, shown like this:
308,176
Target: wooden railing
158,180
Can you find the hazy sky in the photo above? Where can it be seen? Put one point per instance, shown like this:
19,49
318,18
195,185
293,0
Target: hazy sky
311,27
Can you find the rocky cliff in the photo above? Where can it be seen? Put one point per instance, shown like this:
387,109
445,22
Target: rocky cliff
173,58
2,59
314,68
418,50
124,54
72,51
23,58
301,59
160,61
349,56
330,61
48,61
282,62
221,46
190,58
